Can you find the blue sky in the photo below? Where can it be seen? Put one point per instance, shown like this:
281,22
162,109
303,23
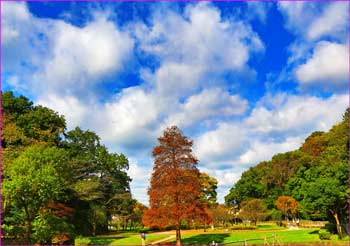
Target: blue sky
243,80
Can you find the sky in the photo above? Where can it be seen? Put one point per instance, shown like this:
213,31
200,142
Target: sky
244,81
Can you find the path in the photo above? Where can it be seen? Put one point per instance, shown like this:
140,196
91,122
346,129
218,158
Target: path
163,240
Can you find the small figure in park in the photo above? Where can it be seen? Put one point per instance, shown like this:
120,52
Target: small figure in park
143,238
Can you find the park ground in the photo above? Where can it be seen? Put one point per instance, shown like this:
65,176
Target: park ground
269,232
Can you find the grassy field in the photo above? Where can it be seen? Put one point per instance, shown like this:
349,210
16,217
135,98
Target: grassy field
127,238
283,236
190,237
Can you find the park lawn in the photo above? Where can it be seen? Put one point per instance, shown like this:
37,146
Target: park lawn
283,236
126,238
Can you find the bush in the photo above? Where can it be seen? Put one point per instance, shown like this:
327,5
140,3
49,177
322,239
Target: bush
243,227
332,228
324,235
46,226
275,215
82,241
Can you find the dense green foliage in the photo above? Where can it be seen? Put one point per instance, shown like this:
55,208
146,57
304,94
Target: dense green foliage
57,184
315,175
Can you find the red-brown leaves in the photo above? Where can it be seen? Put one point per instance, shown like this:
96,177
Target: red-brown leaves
287,205
175,189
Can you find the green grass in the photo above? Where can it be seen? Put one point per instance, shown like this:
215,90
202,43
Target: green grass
301,235
126,239
283,236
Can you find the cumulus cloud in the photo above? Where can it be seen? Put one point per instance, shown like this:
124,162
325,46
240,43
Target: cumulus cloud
14,14
75,112
317,62
208,104
264,150
56,56
81,55
194,46
20,29
277,124
313,20
220,144
328,67
258,10
332,22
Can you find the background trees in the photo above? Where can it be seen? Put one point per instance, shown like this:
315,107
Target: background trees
253,210
57,183
175,190
315,175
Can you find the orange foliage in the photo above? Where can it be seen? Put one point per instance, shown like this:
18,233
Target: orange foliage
287,205
175,188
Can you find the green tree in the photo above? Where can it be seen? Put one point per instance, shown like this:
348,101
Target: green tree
98,178
34,179
253,210
209,186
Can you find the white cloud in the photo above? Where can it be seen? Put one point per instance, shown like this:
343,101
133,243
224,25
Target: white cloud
131,119
81,55
278,123
140,175
222,143
195,46
328,67
75,112
295,115
258,10
264,150
208,104
298,15
19,29
13,15
333,21
313,21
59,57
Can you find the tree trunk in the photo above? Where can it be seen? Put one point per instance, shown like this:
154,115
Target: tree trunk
178,236
28,225
339,230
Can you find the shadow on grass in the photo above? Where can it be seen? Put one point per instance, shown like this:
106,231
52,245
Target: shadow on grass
314,232
104,240
204,239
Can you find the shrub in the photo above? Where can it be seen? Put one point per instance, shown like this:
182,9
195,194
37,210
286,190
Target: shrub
243,227
324,235
82,241
331,227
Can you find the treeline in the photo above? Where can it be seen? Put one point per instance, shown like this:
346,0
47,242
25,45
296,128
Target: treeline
315,175
56,183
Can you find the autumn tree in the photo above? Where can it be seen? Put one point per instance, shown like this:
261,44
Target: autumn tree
175,188
287,205
222,215
253,210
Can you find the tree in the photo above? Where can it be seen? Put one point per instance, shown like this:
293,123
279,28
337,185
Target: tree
98,178
222,215
287,205
209,186
253,210
175,188
34,178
